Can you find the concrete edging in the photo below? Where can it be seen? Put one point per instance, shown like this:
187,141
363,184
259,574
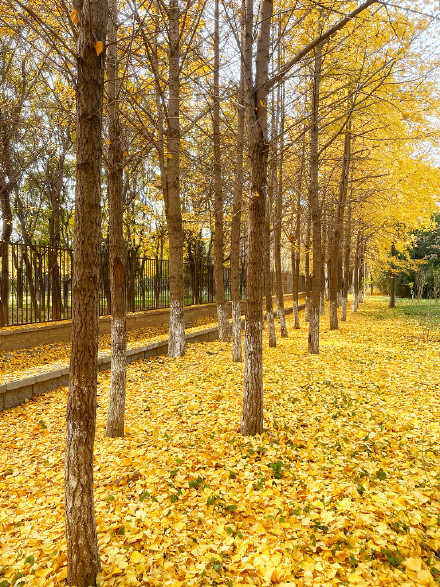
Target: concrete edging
15,393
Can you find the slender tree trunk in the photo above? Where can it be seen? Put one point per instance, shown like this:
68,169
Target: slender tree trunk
362,272
267,269
6,211
116,410
324,289
222,312
55,237
236,223
337,233
278,184
356,274
326,256
307,276
296,245
346,278
176,342
315,298
256,107
8,182
82,547
268,275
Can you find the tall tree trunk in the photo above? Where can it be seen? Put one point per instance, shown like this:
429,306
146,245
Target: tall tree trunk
267,267
346,277
176,342
315,297
82,547
236,222
362,272
116,409
334,284
296,245
323,296
55,237
5,200
356,274
8,182
256,107
222,312
278,185
307,276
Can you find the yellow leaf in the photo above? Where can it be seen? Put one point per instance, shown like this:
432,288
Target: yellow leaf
268,574
62,574
413,564
424,577
136,557
74,16
124,154
99,46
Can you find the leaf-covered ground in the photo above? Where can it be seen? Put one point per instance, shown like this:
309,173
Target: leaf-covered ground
27,362
341,489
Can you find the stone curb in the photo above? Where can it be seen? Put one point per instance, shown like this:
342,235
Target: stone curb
14,393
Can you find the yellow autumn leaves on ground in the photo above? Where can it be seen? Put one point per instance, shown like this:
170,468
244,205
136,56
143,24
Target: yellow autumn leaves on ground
27,362
341,489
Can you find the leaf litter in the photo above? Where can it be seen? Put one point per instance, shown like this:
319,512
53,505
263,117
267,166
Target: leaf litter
341,489
28,362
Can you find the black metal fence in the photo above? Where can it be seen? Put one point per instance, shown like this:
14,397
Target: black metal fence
36,283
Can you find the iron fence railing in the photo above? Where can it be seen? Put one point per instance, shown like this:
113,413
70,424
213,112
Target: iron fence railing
36,283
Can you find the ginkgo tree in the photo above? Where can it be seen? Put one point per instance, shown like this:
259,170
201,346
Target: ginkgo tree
316,111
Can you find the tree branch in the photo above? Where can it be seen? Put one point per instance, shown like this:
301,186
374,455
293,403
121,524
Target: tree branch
319,39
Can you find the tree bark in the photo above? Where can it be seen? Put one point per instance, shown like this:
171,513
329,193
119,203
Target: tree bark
323,298
362,271
334,284
236,221
296,245
356,274
278,184
5,200
307,276
176,342
267,268
346,277
82,547
256,107
222,312
55,236
116,409
315,297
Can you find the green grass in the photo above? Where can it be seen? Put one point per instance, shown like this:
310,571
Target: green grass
419,309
